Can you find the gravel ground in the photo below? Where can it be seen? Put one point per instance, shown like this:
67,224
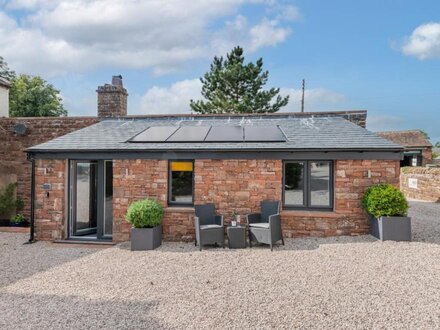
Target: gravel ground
346,282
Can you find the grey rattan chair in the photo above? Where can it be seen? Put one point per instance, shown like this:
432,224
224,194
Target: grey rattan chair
265,227
208,226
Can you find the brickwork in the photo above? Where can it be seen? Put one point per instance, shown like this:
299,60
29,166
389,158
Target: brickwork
425,183
237,184
240,185
426,156
134,180
39,130
50,204
348,218
112,101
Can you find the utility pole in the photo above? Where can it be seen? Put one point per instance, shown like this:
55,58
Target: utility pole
302,99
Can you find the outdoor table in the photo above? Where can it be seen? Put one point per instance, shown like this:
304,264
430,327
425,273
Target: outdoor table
236,237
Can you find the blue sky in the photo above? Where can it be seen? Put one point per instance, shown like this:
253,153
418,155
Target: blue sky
383,56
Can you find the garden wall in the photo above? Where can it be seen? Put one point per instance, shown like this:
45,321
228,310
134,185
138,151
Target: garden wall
13,162
421,183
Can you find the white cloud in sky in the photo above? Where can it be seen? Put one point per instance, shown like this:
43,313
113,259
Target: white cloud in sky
314,99
55,37
384,122
424,42
175,98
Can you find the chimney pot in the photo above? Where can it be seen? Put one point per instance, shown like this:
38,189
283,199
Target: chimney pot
117,81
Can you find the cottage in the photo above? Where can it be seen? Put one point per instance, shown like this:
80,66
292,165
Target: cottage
317,164
418,149
4,97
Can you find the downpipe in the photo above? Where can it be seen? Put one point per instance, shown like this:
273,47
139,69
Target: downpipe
30,157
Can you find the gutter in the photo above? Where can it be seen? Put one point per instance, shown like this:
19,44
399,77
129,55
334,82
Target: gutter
31,158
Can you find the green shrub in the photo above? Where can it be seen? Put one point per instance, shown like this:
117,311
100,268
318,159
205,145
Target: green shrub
384,200
18,218
146,213
8,202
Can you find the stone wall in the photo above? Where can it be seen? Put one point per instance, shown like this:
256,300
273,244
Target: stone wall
230,184
112,101
50,204
421,183
39,130
241,185
426,156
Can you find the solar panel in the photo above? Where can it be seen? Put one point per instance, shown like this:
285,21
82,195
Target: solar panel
155,134
263,134
189,134
210,134
225,134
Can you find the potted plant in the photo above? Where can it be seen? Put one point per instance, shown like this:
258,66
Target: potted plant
234,218
388,208
146,218
18,221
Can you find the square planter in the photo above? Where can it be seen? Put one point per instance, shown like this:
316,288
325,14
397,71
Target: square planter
146,238
391,228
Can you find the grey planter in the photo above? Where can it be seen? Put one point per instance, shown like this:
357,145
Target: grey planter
146,238
391,228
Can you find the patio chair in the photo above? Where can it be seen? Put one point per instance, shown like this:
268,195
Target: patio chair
209,226
265,227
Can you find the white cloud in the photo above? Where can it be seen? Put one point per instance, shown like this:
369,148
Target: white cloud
315,99
175,98
267,33
424,42
55,37
378,123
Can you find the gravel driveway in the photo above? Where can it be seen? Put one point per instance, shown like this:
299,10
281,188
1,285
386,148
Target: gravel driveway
351,283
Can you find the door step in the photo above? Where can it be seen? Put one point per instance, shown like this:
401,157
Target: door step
84,242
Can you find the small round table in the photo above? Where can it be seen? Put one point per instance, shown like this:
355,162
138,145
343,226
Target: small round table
236,237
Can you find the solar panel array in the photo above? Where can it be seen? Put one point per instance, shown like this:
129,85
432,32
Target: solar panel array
210,134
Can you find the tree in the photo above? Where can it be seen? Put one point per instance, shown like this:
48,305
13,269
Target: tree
232,87
32,96
5,72
437,145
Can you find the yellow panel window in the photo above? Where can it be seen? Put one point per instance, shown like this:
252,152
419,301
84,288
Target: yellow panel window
181,183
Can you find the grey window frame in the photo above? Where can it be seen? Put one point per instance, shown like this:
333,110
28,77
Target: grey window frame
170,180
307,184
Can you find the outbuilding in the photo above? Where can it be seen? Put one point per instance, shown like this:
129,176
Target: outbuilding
317,164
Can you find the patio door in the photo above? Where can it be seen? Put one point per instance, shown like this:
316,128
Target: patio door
91,195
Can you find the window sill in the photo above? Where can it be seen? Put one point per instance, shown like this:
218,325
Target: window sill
179,209
310,214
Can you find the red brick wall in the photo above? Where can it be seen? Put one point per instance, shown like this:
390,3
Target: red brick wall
49,209
237,184
428,183
12,146
348,218
230,184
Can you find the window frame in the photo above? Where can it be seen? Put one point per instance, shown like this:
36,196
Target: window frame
307,193
170,183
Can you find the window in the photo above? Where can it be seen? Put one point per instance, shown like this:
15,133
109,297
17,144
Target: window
180,183
308,185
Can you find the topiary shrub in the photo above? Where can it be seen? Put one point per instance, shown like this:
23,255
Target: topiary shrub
147,213
385,200
8,202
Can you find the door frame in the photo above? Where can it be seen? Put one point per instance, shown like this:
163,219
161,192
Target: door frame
100,200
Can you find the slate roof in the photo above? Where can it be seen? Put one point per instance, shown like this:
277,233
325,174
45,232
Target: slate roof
310,133
408,139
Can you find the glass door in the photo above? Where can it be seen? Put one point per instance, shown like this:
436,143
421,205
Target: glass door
91,199
84,217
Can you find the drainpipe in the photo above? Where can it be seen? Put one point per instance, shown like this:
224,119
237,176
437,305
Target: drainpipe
31,158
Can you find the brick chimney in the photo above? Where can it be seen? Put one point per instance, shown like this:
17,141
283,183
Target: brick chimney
112,99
